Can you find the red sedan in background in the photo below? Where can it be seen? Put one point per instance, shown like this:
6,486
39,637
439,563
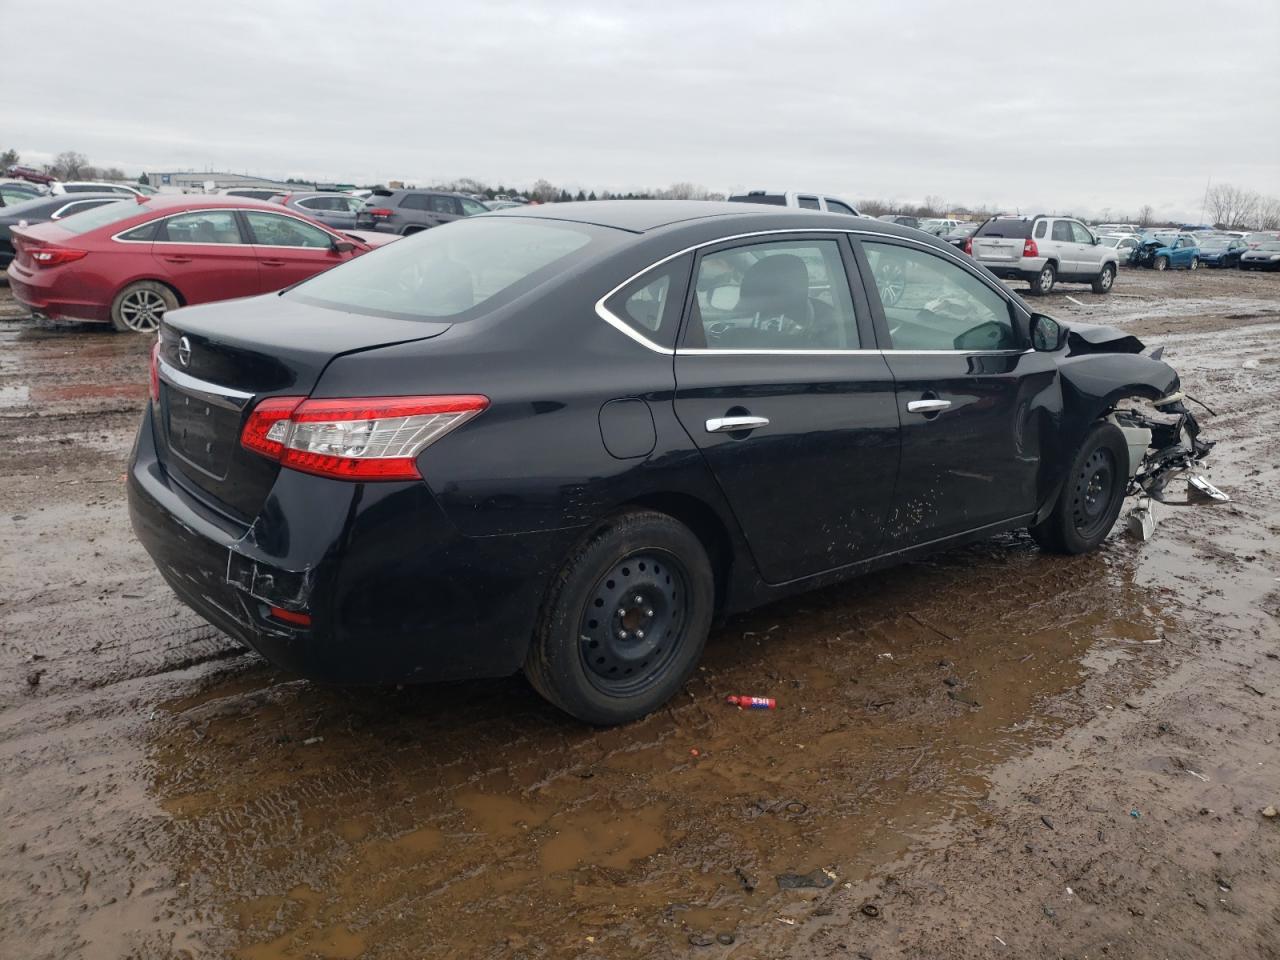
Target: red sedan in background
127,263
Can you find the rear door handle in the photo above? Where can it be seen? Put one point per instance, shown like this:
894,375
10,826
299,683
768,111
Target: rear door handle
734,424
177,259
928,406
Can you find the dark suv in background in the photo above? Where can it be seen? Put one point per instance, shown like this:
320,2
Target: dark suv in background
409,211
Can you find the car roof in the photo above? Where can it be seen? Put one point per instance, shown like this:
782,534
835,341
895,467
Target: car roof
175,201
642,216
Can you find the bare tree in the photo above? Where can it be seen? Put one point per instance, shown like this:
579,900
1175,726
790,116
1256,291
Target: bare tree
544,191
1231,206
70,165
9,159
1268,215
112,173
1145,215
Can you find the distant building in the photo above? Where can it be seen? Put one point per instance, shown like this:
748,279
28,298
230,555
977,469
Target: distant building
197,181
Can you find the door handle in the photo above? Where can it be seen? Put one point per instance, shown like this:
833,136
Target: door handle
928,406
272,263
734,424
176,259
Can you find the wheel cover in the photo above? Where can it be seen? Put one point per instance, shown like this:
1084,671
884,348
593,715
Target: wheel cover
634,622
1046,278
891,281
1107,276
142,310
1093,493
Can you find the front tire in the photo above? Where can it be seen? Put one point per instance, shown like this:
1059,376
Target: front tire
1195,263
1162,263
1043,281
1091,496
140,307
626,620
1103,281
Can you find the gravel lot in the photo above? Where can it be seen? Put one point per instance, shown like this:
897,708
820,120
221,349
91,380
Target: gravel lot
991,753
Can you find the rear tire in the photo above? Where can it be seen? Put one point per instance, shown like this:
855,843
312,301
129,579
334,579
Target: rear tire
1043,281
1103,281
1091,495
140,307
626,620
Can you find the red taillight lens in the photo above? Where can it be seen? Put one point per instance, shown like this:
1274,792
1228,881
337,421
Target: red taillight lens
155,371
367,438
968,246
1029,248
53,256
379,213
294,617
268,426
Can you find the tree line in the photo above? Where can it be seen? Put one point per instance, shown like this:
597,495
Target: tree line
68,165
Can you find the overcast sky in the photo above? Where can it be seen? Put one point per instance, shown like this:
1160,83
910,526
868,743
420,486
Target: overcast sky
1089,106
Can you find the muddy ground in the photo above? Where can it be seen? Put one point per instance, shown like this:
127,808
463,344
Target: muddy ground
991,753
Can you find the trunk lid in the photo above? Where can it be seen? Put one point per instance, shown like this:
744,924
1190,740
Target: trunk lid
219,360
997,248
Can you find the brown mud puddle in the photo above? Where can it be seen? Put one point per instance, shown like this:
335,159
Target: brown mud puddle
469,820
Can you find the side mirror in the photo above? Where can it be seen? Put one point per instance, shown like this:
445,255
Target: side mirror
343,246
1096,241
1047,334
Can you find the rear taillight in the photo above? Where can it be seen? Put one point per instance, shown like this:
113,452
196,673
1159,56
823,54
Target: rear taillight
53,256
379,213
155,371
968,246
368,438
1029,248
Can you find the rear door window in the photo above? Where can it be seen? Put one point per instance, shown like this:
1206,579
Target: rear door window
204,226
835,206
809,203
777,297
651,304
437,203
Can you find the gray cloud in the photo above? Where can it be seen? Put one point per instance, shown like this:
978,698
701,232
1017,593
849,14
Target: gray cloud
1085,105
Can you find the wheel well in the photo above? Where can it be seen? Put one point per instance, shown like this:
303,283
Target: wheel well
706,526
411,229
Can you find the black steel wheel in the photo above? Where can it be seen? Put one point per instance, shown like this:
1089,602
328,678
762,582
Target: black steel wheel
625,620
633,625
1092,494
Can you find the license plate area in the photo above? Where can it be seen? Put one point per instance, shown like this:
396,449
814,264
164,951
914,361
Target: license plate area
201,433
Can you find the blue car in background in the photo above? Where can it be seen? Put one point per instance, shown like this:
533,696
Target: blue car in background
1222,251
1168,252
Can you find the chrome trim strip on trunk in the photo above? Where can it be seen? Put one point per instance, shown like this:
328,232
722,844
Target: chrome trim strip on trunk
216,394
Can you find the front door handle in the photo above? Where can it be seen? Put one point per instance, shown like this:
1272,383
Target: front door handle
272,263
734,424
177,259
928,406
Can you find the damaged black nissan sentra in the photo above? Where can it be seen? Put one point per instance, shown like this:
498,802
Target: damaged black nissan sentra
566,439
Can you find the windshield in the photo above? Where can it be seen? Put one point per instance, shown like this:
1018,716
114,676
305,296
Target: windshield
1214,243
451,270
101,216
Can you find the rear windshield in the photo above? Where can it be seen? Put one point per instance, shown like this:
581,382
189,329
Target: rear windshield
102,216
450,271
1018,229
774,199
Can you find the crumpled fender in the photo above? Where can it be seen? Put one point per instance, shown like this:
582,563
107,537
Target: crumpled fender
1103,366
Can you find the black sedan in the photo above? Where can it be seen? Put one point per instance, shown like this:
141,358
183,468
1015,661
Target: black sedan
42,210
566,439
1265,256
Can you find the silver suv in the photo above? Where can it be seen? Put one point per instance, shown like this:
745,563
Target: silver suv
1044,250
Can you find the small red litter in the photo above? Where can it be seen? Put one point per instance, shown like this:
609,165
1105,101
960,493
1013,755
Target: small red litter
752,703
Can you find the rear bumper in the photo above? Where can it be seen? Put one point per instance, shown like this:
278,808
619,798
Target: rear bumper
1023,269
57,300
394,592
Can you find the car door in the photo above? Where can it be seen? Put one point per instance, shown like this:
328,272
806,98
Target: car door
1089,253
966,390
779,386
290,250
204,255
1063,247
331,211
